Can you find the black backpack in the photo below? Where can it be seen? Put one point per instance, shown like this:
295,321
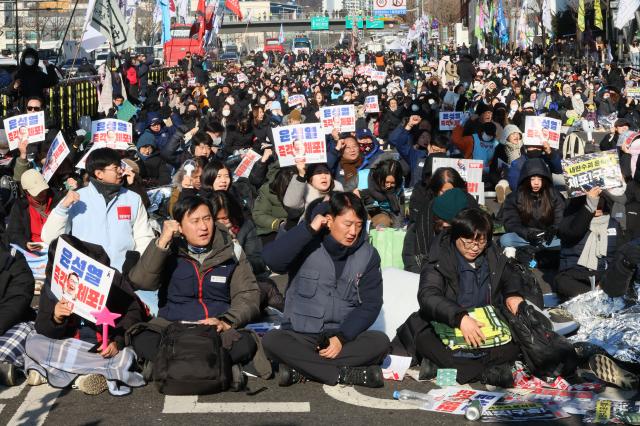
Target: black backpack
191,361
530,287
546,353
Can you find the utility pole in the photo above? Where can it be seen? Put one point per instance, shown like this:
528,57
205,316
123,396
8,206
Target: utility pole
16,5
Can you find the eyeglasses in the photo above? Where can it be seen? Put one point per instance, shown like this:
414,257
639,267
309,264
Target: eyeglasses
469,244
114,169
33,108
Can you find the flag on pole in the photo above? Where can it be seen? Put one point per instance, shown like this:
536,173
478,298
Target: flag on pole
234,6
182,10
503,31
281,35
626,12
546,15
249,16
597,15
106,19
166,20
581,24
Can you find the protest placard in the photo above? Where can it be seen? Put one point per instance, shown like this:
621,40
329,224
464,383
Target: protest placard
300,141
371,104
328,65
455,400
522,412
450,120
58,151
539,129
361,69
220,79
469,170
347,72
296,100
80,280
242,77
379,77
249,159
126,111
342,117
633,92
111,133
585,172
191,82
25,126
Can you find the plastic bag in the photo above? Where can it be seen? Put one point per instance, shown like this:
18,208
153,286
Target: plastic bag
389,243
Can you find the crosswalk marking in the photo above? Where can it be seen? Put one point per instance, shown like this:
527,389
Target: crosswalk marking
349,395
190,404
12,391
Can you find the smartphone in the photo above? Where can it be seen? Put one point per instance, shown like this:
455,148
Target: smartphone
95,348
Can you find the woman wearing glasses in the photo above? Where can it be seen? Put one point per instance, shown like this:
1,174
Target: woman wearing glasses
466,271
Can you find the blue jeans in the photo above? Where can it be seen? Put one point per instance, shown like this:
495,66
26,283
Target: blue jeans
149,298
512,239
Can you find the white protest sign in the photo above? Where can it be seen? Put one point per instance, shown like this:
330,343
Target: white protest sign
249,159
111,133
191,82
220,79
379,77
300,141
539,129
347,72
25,126
342,117
585,172
242,77
450,120
83,161
296,100
80,280
58,151
371,104
469,170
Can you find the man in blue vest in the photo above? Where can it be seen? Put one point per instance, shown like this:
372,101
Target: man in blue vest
334,296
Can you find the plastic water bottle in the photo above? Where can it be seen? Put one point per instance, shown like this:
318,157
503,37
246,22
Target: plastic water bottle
407,395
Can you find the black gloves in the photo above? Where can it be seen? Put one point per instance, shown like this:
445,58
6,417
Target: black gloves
535,237
630,255
550,234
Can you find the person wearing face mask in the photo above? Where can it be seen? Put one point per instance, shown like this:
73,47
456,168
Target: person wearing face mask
29,80
478,146
383,195
155,171
336,94
391,118
549,155
275,113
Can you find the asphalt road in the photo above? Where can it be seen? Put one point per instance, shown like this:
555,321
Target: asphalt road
302,404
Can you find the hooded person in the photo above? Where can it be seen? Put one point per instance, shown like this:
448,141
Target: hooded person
29,80
532,214
155,172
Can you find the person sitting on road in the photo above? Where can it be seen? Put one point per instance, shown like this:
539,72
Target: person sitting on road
312,182
199,277
466,270
68,349
334,295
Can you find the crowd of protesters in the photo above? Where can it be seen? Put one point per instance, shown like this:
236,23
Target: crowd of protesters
208,253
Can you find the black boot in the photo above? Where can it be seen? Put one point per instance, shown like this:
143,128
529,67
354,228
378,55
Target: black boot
428,370
499,375
370,376
287,376
238,379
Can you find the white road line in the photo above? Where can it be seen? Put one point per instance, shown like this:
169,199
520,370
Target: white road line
1,407
190,404
36,405
349,395
11,392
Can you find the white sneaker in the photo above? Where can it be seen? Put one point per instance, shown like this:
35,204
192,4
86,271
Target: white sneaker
91,384
35,379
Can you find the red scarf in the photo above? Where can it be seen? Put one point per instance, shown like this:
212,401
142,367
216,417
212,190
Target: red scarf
38,216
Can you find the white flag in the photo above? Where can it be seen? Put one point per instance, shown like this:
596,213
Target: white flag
626,12
107,19
247,18
105,96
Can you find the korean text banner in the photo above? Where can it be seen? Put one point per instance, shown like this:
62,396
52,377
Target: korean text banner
449,120
58,151
342,117
25,126
80,280
296,100
371,104
300,141
111,133
587,171
389,7
539,129
249,159
469,170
